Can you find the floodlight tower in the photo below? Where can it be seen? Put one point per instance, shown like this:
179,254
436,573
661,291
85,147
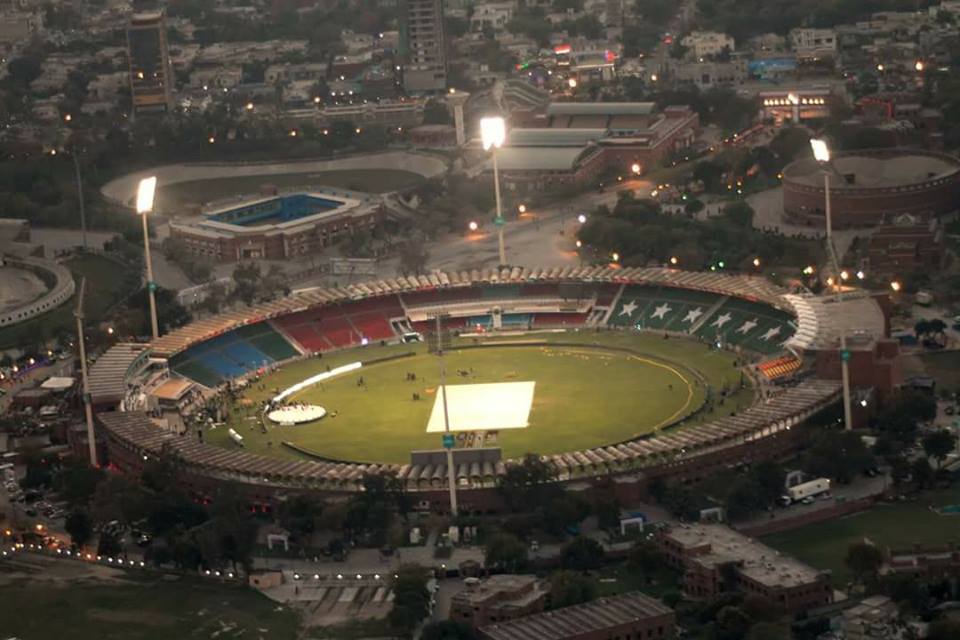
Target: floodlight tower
821,152
145,193
493,132
448,438
87,408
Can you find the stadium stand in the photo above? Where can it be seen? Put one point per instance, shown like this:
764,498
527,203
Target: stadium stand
232,354
779,367
131,437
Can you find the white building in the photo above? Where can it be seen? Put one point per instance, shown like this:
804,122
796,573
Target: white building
219,77
814,43
18,27
494,15
707,43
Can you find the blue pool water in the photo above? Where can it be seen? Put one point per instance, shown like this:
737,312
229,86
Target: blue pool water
276,210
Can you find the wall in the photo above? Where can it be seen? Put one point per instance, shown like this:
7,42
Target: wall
61,291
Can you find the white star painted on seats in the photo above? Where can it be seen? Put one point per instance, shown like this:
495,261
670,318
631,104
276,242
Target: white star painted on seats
746,326
770,333
628,309
661,311
692,315
721,320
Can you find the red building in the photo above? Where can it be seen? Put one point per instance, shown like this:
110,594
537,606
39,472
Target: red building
499,598
573,143
717,559
631,615
906,246
870,188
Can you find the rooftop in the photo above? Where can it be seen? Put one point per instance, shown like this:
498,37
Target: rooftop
601,108
757,561
574,621
553,137
499,587
538,158
888,168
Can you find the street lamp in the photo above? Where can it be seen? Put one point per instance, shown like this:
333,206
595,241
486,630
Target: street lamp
473,225
821,152
674,260
493,132
635,168
582,218
572,82
895,285
145,193
919,66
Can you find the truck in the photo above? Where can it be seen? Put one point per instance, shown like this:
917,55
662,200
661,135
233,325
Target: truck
804,490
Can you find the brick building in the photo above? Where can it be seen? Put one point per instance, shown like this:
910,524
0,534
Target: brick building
715,559
869,188
873,364
631,615
277,227
499,598
907,245
573,143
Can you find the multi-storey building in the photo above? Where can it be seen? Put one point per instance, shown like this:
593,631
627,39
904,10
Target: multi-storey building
151,77
499,598
422,46
715,558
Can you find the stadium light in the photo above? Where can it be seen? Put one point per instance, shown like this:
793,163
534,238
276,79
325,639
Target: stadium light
895,285
522,208
919,66
861,275
674,260
615,256
821,152
473,225
582,218
635,168
493,132
572,82
145,194
756,262
820,149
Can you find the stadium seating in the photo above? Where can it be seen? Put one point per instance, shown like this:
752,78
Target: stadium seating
712,316
558,320
232,354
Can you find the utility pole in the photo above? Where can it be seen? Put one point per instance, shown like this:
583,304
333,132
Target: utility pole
87,408
83,214
447,436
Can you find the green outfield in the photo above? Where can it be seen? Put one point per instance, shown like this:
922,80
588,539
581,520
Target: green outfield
588,393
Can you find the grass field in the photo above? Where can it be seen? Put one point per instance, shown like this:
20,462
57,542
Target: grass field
899,525
584,397
172,197
104,287
147,609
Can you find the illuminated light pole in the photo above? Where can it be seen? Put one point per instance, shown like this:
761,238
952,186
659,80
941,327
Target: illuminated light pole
821,152
145,193
87,408
635,168
493,132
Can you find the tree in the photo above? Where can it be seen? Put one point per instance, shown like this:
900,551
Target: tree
568,588
413,257
109,544
77,482
944,630
448,630
732,623
246,277
608,515
739,213
582,554
525,486
436,113
645,558
80,527
411,602
298,515
864,560
768,631
922,473
505,552
939,444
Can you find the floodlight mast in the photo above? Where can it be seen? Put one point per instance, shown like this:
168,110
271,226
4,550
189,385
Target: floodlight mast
821,152
87,408
451,471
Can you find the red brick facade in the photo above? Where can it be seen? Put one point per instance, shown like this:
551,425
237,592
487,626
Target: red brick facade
854,206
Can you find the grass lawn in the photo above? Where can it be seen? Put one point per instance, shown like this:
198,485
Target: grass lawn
104,287
140,610
583,397
615,579
899,525
194,192
944,367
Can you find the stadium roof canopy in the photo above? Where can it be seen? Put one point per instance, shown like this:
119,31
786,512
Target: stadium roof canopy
553,137
538,158
601,109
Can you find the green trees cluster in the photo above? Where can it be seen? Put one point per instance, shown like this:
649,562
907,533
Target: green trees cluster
641,233
411,602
